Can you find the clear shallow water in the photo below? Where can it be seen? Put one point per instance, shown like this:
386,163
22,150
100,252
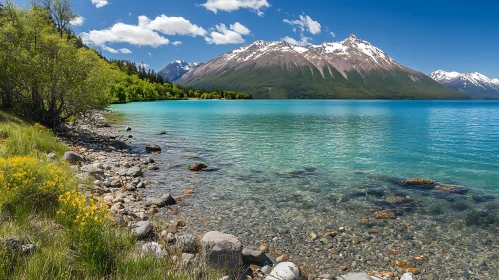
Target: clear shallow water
449,141
288,168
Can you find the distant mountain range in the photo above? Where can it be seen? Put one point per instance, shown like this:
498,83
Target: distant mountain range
348,69
176,69
473,84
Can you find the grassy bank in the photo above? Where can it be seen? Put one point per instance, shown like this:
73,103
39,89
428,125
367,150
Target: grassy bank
73,235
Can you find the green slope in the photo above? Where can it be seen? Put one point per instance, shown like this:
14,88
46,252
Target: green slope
308,83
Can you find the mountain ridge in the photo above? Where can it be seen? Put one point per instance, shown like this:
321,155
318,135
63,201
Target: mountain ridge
351,68
472,84
176,69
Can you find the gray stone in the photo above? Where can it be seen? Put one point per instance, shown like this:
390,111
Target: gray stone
407,276
255,257
28,248
150,148
116,184
141,228
354,276
52,157
187,243
285,271
162,201
266,269
128,128
120,145
72,158
130,187
141,185
153,248
222,250
162,132
134,171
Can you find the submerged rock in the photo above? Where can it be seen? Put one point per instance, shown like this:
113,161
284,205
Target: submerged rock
448,188
151,148
418,182
197,166
384,214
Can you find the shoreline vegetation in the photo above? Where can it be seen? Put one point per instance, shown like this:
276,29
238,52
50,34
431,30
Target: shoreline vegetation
49,75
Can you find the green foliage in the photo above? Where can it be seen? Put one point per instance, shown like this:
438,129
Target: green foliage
302,83
44,75
135,84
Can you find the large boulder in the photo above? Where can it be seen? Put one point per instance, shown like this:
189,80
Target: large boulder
197,166
72,158
222,250
285,271
151,148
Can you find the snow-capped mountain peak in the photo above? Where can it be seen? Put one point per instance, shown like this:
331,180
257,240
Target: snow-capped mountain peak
356,54
176,69
472,83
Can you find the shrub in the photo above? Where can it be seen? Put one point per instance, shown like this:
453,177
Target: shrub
28,185
92,236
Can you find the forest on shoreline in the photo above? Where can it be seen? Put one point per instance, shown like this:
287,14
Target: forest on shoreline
47,74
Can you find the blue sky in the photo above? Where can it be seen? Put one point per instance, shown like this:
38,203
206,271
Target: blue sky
424,35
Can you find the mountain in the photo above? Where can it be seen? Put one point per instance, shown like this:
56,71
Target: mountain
348,69
473,84
176,69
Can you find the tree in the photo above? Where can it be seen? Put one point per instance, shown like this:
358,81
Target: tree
60,12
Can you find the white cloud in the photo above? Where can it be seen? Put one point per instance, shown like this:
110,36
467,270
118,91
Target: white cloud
146,33
305,23
303,40
233,5
224,35
129,14
144,65
125,51
124,33
177,43
150,55
172,26
239,28
77,21
111,50
100,3
333,34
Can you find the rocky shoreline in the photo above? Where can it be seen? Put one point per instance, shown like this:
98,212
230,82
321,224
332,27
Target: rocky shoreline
116,175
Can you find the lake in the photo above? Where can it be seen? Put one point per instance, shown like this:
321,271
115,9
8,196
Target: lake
283,168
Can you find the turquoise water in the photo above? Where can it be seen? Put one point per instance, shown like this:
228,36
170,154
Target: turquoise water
448,141
283,169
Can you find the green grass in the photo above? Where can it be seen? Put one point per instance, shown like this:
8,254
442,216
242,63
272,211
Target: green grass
18,138
74,239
